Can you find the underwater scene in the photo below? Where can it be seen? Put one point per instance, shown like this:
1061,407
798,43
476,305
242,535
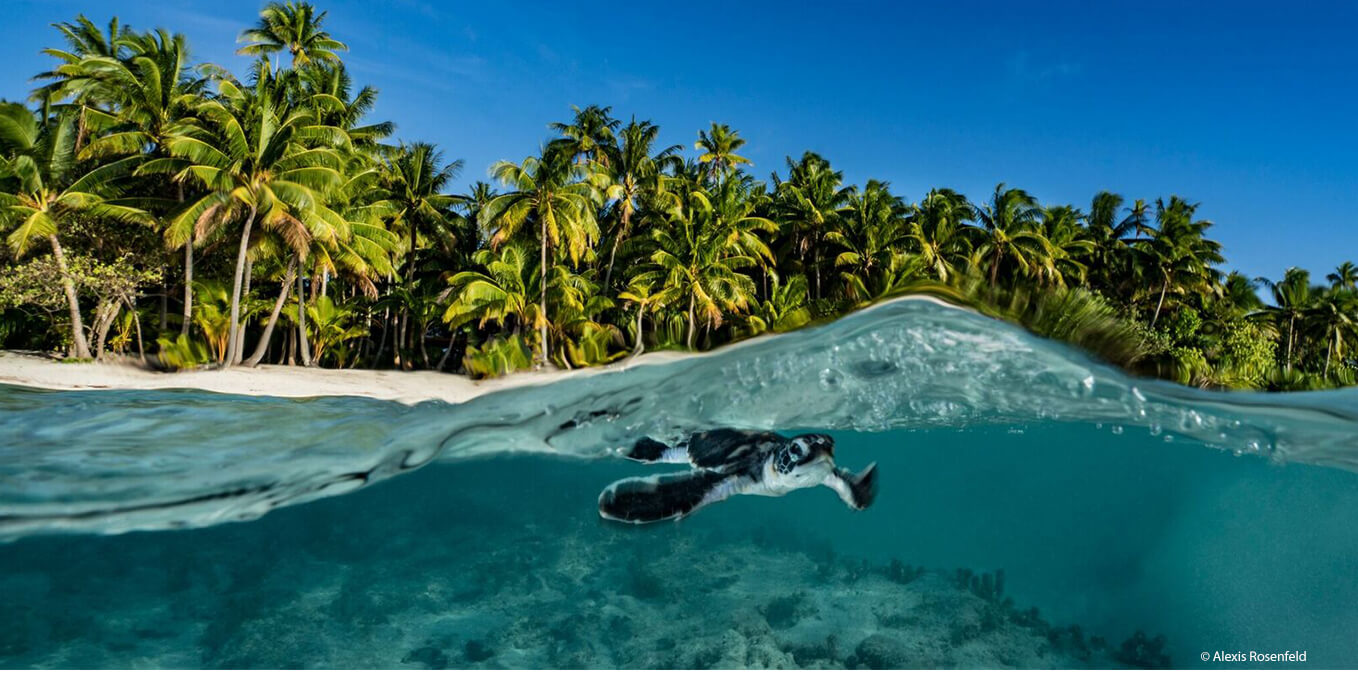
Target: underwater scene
1034,509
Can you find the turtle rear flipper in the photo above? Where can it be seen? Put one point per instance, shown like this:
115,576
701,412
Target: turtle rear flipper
639,500
649,450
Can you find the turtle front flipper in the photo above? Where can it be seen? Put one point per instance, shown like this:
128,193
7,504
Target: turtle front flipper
638,500
858,491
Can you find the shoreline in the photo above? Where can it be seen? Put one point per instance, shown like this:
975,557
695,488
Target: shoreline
406,387
394,385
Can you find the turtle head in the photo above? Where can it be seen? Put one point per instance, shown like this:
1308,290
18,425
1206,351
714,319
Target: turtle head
804,453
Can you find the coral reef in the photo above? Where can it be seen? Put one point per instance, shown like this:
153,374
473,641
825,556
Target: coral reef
533,597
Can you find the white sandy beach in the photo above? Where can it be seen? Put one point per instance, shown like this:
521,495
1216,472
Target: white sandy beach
281,381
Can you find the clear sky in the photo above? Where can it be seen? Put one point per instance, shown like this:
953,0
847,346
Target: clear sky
1250,108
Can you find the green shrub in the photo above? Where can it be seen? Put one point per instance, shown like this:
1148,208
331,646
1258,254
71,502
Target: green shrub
182,352
497,357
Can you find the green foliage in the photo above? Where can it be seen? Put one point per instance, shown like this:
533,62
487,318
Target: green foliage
138,168
497,357
182,352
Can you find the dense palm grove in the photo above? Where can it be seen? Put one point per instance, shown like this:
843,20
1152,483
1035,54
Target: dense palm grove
174,211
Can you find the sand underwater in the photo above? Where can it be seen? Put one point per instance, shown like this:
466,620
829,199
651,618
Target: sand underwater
1036,510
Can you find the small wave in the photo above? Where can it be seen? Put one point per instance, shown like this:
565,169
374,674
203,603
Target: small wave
114,461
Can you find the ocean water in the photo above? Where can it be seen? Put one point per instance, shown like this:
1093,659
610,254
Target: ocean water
1036,509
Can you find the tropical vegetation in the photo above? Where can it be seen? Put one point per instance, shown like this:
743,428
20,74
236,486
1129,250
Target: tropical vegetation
176,212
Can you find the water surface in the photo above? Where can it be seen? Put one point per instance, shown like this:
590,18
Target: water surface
145,527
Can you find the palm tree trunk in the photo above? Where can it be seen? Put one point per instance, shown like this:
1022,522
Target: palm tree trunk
424,350
994,270
263,345
691,320
1291,324
164,298
452,339
815,266
542,284
1160,304
410,266
1329,349
136,324
641,312
78,343
233,345
105,313
382,342
188,288
301,314
626,221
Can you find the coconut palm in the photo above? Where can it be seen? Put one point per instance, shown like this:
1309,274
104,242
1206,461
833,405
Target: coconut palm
1293,297
938,231
719,145
155,94
871,239
810,204
637,171
251,156
590,136
1177,256
640,294
295,27
502,294
1344,277
1335,316
700,253
1069,243
416,178
555,195
1009,231
69,81
43,188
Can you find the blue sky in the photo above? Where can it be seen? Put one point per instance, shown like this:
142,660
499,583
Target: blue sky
1252,111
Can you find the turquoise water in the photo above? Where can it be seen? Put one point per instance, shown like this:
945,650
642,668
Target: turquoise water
182,529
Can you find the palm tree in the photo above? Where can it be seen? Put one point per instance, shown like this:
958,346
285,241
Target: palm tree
1293,298
810,204
871,239
69,81
701,250
1239,294
938,229
295,27
1344,277
637,172
719,145
1336,316
416,177
326,87
1009,230
1177,254
155,98
640,294
251,155
42,188
591,136
1068,242
556,195
500,295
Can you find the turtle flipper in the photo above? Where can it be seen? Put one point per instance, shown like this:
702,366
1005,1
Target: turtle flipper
639,500
859,490
651,450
